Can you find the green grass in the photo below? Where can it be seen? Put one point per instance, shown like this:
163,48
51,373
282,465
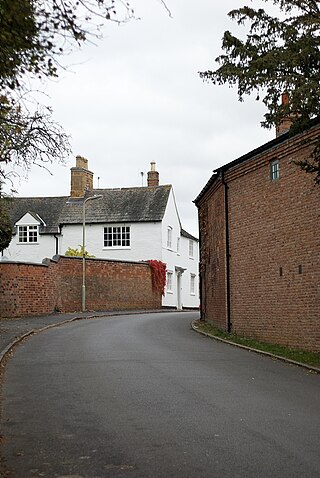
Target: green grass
303,356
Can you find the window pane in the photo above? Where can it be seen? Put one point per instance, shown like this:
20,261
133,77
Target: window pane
33,233
192,283
23,234
190,248
169,237
117,236
108,237
169,281
275,170
125,236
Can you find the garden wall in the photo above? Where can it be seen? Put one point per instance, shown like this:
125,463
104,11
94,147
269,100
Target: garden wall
36,289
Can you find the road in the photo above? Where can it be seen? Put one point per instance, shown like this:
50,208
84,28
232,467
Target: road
145,396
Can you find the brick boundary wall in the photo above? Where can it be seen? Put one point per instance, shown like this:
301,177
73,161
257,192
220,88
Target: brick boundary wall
28,289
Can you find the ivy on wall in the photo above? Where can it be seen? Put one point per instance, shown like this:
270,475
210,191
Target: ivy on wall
158,274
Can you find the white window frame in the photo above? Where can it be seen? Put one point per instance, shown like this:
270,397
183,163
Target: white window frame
169,237
178,245
117,236
169,282
191,248
274,170
29,232
192,284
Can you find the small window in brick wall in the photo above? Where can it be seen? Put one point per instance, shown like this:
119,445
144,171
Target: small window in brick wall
274,170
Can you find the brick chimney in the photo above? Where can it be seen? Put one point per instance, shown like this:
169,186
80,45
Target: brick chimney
81,178
286,121
153,175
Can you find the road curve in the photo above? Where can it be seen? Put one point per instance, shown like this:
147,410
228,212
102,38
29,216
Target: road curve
145,396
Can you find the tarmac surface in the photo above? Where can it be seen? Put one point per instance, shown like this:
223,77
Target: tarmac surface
14,330
144,396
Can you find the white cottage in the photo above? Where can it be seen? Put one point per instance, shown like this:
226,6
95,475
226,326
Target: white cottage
138,224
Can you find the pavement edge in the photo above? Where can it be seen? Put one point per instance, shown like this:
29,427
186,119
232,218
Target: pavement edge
250,349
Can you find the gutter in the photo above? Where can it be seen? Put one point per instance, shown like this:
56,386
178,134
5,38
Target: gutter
226,210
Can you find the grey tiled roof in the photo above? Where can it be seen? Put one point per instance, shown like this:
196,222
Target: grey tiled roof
140,204
188,236
48,208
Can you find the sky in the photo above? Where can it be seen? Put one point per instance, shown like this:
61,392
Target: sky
135,97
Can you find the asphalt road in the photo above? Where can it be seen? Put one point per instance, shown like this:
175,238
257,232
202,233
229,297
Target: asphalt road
145,396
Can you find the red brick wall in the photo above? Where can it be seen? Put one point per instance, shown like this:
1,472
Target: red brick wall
35,289
26,289
274,229
213,258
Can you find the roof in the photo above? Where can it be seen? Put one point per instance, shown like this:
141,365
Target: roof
139,204
261,149
188,236
48,208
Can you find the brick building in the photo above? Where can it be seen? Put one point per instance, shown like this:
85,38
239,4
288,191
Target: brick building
260,245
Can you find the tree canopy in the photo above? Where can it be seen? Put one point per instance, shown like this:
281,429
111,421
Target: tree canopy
5,224
278,54
34,36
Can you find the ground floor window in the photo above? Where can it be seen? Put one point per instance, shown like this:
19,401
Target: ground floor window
192,284
169,281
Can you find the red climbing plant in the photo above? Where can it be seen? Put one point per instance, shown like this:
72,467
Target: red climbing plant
158,274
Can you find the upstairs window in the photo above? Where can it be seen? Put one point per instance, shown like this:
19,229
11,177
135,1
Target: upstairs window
191,248
169,237
274,170
178,245
28,234
116,236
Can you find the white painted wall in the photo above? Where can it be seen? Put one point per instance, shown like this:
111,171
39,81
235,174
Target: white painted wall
178,258
30,252
145,241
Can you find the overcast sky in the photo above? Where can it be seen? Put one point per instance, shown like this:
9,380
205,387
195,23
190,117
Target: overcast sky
136,97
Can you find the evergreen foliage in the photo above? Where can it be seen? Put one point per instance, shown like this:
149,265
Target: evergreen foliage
5,223
279,54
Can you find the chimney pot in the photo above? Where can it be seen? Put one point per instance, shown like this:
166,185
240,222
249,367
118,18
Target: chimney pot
81,178
153,175
286,121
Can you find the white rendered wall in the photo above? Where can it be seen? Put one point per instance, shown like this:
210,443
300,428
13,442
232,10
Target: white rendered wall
178,258
33,251
145,241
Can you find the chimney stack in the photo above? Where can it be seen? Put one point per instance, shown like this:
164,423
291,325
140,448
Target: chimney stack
286,121
81,178
153,175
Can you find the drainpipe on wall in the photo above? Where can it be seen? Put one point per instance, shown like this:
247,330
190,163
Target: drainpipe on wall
226,210
202,315
57,243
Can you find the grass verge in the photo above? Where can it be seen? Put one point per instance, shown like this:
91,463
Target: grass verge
303,356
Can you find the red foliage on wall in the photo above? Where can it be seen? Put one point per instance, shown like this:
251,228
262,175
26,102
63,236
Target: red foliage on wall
158,269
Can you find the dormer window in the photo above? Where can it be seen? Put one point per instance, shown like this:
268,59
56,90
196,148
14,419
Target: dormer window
28,234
